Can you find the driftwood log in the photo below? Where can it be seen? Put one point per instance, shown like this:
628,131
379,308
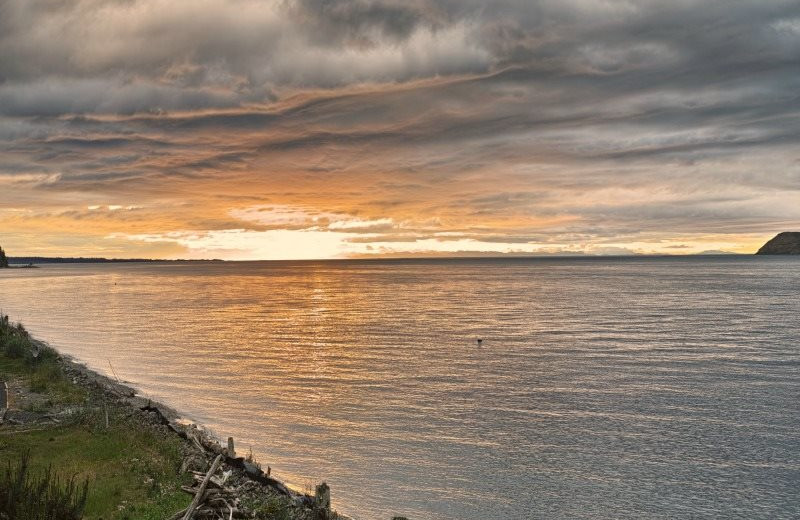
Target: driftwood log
199,496
217,500
255,473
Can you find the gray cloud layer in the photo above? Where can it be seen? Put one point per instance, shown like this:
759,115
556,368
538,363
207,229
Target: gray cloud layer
134,56
513,108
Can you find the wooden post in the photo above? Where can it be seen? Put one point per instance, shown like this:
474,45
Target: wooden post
231,450
322,502
4,397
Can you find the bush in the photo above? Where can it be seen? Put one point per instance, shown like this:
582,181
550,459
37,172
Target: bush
24,496
275,508
17,346
15,342
46,354
14,339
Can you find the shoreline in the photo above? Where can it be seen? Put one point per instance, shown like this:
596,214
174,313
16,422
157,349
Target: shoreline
243,480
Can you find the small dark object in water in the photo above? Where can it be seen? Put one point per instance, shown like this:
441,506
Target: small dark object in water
480,342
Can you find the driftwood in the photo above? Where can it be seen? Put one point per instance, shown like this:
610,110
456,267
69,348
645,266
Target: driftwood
215,503
162,419
253,471
195,437
212,494
198,497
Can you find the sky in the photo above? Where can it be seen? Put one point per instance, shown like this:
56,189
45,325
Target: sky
295,129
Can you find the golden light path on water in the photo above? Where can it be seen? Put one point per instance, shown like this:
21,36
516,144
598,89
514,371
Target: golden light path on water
604,388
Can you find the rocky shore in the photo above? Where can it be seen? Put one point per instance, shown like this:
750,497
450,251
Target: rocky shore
221,482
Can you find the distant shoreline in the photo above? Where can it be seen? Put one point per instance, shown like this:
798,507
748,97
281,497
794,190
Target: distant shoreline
33,260
25,260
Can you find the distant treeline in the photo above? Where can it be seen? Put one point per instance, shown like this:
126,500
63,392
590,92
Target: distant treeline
87,260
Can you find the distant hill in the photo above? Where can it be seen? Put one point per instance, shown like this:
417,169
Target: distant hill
83,260
786,243
715,252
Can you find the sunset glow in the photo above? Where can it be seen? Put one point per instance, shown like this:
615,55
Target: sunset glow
328,129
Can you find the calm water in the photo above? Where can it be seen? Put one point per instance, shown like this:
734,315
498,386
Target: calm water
605,388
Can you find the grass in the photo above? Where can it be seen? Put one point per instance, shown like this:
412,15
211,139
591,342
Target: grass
133,469
28,495
42,371
273,508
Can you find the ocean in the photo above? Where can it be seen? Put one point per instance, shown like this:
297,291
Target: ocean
602,388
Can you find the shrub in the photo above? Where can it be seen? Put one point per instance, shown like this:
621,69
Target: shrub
24,496
17,346
14,339
46,354
274,508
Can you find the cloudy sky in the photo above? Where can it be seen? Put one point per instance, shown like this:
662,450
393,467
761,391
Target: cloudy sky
247,129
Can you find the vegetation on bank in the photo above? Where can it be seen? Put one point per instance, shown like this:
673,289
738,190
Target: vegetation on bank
24,496
3,258
74,445
37,365
130,469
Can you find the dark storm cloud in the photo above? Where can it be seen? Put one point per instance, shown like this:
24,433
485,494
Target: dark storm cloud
72,143
246,49
360,22
539,111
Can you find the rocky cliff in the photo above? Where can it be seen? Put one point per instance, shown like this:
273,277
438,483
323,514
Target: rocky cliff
786,243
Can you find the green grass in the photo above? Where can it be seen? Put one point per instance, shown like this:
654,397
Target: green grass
47,378
272,508
42,495
42,373
133,471
132,468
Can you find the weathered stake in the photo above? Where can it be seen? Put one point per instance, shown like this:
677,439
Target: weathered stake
231,451
322,502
